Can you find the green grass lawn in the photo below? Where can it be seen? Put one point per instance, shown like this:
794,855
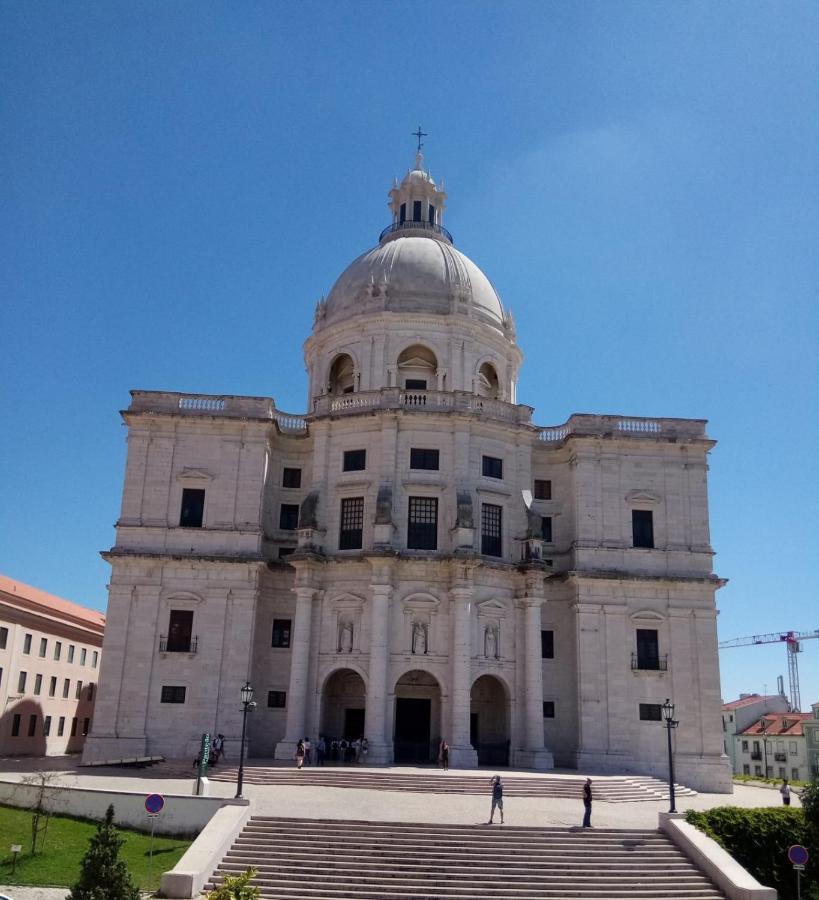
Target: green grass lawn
66,841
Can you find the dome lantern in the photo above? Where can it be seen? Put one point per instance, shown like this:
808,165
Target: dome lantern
417,205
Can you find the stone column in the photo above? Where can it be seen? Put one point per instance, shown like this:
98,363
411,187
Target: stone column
375,726
461,751
299,667
535,753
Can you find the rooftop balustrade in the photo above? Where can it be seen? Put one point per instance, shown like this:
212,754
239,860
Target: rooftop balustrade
431,227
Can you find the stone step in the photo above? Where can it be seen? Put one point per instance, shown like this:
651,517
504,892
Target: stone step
332,859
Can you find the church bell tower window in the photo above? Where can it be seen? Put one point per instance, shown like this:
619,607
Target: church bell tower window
431,214
402,215
416,211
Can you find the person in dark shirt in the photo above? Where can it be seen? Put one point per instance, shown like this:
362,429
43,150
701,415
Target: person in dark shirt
497,798
587,803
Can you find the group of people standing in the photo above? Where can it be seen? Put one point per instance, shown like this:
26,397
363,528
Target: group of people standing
331,750
497,801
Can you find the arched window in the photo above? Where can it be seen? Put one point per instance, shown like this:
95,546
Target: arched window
488,385
342,375
417,366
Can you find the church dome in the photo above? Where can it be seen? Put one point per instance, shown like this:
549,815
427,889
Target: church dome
414,272
414,268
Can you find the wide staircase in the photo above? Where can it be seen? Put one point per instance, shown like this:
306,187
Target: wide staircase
313,858
607,789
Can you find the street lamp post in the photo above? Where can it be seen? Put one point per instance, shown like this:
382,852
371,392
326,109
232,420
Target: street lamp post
670,722
247,705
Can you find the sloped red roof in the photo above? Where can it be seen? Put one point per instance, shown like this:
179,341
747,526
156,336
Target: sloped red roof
776,724
33,597
747,701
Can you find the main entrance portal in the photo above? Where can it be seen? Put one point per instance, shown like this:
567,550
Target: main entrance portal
488,724
343,704
416,733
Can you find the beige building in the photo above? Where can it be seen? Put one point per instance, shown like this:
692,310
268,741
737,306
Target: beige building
774,747
50,651
737,715
414,558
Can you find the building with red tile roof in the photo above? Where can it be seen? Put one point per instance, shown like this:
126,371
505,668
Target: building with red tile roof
774,746
50,651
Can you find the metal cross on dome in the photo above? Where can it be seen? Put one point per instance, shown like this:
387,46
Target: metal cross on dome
420,134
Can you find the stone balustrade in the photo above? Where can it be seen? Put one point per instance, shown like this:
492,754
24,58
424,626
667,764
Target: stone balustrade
612,426
230,406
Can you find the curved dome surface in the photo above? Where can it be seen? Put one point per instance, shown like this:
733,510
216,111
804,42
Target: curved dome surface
413,274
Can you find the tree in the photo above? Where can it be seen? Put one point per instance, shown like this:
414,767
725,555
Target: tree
236,887
810,808
104,876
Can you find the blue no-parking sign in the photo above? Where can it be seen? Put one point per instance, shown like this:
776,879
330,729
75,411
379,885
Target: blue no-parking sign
154,804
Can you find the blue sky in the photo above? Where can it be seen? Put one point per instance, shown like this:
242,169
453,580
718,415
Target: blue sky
182,181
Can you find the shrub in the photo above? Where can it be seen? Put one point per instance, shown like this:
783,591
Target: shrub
236,887
103,875
758,839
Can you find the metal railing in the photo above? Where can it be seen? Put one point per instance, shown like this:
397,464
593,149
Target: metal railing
177,645
649,663
408,225
756,754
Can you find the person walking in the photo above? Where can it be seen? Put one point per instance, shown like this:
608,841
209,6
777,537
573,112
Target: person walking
785,790
307,751
300,754
587,803
444,755
497,799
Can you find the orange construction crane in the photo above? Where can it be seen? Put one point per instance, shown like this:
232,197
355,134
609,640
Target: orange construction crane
793,640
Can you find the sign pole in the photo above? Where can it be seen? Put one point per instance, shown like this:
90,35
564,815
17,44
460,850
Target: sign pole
798,857
151,851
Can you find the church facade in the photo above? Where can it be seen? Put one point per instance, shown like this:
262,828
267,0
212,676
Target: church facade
414,559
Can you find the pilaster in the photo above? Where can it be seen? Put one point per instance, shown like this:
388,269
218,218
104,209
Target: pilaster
461,752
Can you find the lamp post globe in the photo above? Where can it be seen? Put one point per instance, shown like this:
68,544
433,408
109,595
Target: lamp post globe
246,694
670,722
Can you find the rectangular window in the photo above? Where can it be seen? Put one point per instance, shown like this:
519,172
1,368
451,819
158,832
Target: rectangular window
172,693
46,726
782,772
66,688
402,213
745,746
4,638
86,726
15,725
180,631
83,656
746,769
58,649
756,747
52,686
416,210
421,458
351,532
547,644
548,709
74,727
43,647
286,551
291,478
27,644
546,528
281,633
355,460
71,653
543,489
193,508
491,520
21,683
289,516
642,528
757,770
492,467
61,726
431,214
415,384
32,725
651,712
276,699
422,523
78,691
792,747
795,774
648,649
94,659
38,684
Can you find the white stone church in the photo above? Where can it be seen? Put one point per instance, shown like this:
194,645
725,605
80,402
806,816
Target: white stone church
414,559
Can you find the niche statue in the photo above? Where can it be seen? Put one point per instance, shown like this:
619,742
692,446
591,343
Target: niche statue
490,643
345,637
419,637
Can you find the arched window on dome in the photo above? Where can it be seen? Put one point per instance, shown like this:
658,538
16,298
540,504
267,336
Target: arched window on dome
342,375
417,367
487,382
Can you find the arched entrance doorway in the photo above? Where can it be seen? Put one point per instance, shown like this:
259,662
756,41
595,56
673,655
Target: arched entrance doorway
343,702
417,729
489,721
